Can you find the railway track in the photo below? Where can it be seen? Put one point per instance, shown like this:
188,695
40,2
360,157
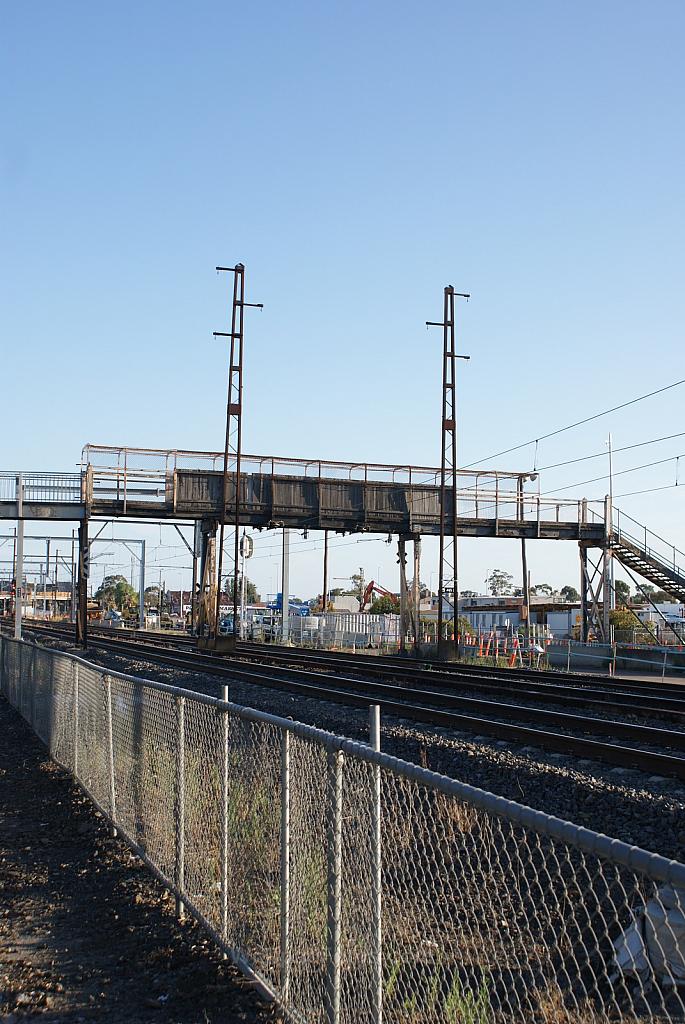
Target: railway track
635,698
427,696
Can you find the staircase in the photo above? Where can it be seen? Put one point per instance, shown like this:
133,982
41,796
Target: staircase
649,555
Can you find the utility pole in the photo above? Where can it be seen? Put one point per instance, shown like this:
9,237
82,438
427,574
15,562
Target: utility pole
448,569
324,596
72,617
234,428
416,594
285,588
612,592
243,548
19,564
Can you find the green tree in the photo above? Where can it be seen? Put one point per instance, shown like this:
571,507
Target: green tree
358,585
569,594
644,593
499,582
623,620
251,595
542,588
152,596
385,606
622,591
117,592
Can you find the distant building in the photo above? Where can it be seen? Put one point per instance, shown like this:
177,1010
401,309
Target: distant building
341,603
486,612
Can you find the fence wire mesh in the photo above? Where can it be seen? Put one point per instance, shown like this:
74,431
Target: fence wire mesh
354,887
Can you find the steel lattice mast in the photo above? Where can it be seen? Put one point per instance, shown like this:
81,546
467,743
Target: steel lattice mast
233,445
448,575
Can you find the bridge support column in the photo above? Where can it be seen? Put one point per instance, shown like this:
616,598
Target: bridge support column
525,611
82,587
404,611
206,595
595,593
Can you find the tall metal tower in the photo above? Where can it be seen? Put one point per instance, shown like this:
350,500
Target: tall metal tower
448,575
233,448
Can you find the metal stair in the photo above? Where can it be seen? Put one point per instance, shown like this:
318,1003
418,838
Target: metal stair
649,555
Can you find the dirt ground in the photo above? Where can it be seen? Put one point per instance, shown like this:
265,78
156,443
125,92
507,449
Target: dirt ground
86,933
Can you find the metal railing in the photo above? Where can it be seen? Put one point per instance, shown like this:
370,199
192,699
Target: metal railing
50,488
654,547
149,477
351,886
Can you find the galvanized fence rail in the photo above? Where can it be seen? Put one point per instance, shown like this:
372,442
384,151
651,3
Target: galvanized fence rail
351,886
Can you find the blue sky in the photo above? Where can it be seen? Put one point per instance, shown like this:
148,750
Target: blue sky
357,158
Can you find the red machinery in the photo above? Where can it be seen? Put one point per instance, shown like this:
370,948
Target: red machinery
375,588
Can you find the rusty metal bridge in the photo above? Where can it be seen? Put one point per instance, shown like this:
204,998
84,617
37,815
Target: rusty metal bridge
137,483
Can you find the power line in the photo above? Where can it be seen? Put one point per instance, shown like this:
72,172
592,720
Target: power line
626,448
622,472
578,423
648,490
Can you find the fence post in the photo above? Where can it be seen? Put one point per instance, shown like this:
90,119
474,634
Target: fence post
663,667
75,677
33,686
224,819
334,884
180,804
568,655
20,688
376,877
110,753
285,864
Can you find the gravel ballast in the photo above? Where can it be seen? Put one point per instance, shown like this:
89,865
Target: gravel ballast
641,809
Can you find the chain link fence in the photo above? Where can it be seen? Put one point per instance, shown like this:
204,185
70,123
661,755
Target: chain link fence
349,885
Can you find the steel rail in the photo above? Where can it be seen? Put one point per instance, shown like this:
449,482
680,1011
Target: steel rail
556,693
380,693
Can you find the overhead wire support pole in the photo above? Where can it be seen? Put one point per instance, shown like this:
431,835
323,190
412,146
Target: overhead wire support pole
448,472
233,445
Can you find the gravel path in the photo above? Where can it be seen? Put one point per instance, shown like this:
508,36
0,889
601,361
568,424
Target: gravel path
647,811
85,932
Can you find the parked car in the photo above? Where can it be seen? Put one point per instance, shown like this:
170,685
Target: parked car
226,625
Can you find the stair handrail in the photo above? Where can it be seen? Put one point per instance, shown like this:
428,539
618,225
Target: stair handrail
644,546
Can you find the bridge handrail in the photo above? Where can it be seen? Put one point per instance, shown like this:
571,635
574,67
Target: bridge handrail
641,542
171,459
41,487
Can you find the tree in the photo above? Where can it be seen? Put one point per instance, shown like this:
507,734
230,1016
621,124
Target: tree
152,596
624,621
542,588
622,591
569,594
117,592
499,582
644,593
358,585
385,606
251,595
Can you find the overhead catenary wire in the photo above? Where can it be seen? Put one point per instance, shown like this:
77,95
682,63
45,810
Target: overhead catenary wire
578,423
598,455
620,472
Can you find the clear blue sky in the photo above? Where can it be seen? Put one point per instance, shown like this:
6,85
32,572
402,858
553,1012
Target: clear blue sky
357,158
